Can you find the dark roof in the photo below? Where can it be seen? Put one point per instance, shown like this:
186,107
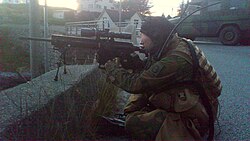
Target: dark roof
88,16
59,8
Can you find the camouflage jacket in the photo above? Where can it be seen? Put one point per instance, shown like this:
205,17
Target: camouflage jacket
156,84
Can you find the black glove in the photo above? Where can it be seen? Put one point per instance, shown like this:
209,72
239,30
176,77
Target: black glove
133,62
103,56
100,57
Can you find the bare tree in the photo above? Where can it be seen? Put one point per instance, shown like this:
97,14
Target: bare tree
140,6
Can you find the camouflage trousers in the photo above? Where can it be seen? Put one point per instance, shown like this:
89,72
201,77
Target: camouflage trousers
168,126
145,125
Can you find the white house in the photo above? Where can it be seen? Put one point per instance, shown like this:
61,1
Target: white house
59,14
11,1
14,1
96,5
63,13
111,20
129,22
137,20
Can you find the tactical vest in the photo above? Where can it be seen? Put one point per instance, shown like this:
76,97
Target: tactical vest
204,86
204,78
208,78
206,81
205,75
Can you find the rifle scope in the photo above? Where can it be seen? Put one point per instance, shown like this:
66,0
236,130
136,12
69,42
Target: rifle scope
87,32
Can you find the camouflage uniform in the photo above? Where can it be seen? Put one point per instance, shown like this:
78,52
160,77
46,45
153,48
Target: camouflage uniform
174,112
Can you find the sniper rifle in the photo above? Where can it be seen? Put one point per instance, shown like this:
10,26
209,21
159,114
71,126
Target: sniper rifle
103,42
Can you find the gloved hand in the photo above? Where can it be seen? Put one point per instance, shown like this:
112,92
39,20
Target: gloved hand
112,64
133,62
101,58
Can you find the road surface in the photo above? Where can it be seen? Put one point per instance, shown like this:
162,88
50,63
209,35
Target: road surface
232,64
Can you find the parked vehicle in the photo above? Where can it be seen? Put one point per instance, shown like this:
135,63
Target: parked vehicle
228,20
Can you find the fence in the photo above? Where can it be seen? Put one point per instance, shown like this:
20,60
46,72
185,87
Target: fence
74,56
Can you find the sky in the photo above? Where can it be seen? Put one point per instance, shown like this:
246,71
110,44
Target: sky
168,7
60,3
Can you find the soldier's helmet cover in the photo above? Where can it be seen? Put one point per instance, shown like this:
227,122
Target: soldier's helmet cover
157,29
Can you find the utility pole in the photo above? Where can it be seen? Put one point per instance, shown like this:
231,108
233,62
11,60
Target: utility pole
46,65
120,15
35,50
182,8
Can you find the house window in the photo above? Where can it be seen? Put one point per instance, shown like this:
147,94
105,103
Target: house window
136,22
90,5
105,23
98,6
137,32
104,18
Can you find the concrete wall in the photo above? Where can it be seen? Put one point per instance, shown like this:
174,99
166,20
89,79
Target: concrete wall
44,108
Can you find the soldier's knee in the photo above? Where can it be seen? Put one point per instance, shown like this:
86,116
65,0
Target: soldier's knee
130,123
143,125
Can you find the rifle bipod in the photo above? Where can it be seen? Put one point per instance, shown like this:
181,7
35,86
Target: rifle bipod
59,64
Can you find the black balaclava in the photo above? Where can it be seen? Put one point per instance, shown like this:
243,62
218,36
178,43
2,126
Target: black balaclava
157,29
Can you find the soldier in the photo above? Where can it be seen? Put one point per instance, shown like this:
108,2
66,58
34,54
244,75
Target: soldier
175,96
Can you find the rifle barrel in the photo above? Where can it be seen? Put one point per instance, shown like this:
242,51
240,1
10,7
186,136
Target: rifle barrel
36,39
61,41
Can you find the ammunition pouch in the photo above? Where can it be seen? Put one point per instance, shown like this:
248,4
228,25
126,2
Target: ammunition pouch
175,100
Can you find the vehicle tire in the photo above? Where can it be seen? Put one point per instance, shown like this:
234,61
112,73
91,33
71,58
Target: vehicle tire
229,35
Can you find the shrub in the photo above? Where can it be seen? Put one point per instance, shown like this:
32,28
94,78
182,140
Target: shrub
12,54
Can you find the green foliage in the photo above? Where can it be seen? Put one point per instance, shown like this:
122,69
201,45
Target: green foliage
106,99
105,105
87,16
69,16
140,6
82,111
19,14
14,13
54,21
12,54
